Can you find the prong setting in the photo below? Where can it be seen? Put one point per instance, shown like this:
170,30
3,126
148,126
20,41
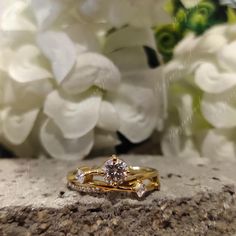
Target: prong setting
140,189
80,176
115,171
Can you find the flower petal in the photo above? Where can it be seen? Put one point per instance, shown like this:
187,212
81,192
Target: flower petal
26,149
219,144
138,13
92,8
92,69
74,116
47,11
144,11
104,139
230,31
128,59
6,55
190,3
186,113
174,70
62,148
220,109
137,108
26,67
119,13
230,3
186,46
18,124
175,144
84,35
13,18
211,42
210,80
108,117
29,94
160,92
227,58
60,50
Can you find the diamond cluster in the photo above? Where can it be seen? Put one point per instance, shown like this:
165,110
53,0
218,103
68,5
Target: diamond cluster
115,171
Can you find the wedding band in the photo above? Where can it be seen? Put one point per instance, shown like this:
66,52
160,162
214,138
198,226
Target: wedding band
114,175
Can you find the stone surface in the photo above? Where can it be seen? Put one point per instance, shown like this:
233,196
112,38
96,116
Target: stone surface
197,197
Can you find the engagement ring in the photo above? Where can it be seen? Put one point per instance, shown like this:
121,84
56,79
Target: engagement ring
114,175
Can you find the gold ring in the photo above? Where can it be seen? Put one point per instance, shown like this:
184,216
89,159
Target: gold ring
114,175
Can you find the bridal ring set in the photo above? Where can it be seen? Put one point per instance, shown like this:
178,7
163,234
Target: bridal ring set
114,175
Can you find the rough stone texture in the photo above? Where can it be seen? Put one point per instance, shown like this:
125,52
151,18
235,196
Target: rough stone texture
197,197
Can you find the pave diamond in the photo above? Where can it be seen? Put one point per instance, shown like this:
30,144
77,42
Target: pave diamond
80,176
115,171
140,189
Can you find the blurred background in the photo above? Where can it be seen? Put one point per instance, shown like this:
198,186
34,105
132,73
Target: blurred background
87,78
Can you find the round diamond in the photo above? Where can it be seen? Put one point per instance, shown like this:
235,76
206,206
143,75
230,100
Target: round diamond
115,171
80,176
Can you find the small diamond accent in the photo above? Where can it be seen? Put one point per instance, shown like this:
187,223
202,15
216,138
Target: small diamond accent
140,189
115,171
80,176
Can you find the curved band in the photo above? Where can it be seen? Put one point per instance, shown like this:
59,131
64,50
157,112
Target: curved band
114,175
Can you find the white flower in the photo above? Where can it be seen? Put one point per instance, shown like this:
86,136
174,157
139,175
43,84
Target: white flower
202,79
137,13
67,86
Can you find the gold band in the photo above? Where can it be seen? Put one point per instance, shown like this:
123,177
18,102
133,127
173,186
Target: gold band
114,175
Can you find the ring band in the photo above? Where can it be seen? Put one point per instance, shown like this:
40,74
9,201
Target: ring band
114,175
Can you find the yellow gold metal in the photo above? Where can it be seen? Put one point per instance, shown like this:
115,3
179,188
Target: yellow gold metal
136,179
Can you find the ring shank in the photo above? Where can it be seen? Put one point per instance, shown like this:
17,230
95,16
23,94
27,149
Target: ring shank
135,176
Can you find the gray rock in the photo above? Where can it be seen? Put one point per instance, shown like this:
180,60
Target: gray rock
197,197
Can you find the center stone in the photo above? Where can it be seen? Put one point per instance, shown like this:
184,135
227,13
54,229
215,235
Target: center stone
115,171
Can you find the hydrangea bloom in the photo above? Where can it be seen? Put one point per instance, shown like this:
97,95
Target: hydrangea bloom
189,16
202,95
68,85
